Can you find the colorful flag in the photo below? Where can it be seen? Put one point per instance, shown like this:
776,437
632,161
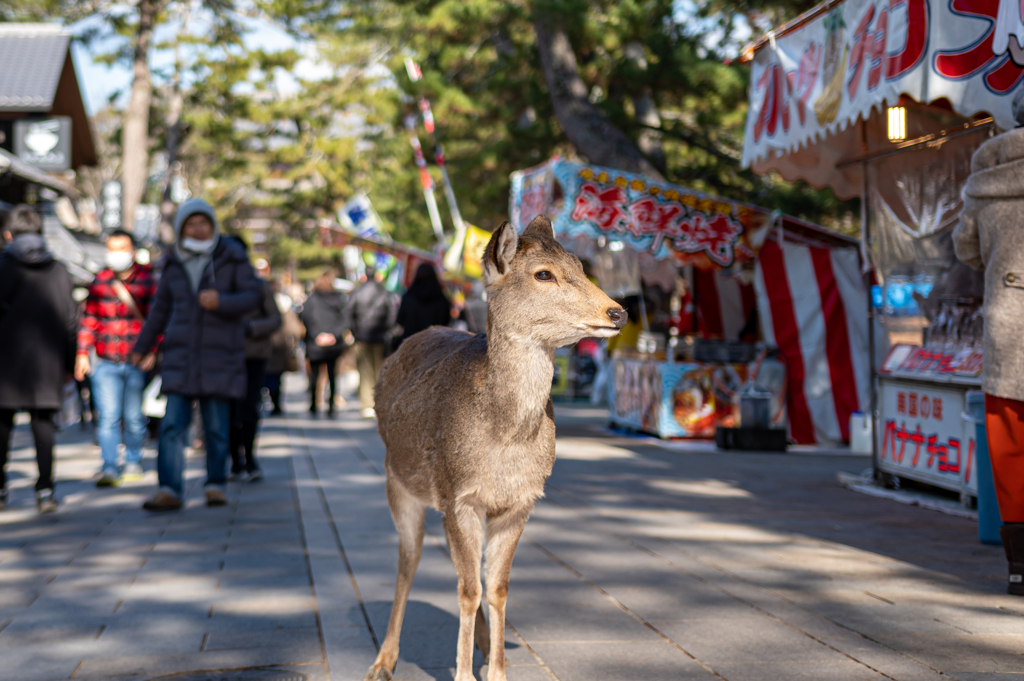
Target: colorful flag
359,217
473,251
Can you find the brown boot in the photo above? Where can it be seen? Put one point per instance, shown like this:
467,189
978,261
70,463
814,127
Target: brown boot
1012,535
162,501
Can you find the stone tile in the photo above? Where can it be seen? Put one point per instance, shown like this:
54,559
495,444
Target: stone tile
29,665
15,636
840,668
226,640
612,661
153,665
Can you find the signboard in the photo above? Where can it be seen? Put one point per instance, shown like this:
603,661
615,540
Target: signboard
923,435
666,221
819,78
934,362
44,143
111,204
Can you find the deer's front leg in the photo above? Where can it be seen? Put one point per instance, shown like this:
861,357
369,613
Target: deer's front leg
464,525
503,535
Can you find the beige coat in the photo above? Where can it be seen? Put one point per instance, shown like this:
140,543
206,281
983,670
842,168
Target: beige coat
990,237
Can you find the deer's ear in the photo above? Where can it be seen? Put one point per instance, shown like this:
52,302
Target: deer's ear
540,226
500,251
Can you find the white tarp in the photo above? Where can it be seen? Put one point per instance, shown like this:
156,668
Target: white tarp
817,79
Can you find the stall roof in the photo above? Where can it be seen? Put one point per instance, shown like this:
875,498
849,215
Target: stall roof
39,78
36,51
820,84
9,163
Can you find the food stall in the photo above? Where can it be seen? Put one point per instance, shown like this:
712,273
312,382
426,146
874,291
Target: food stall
887,100
744,271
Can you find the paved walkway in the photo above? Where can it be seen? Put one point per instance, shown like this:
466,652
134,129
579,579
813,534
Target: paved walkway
644,562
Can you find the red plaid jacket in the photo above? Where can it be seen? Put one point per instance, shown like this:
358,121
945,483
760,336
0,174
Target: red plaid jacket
107,323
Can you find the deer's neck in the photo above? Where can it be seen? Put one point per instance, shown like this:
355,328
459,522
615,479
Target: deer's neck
519,372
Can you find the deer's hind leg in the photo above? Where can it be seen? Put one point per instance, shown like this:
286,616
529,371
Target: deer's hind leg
407,511
464,527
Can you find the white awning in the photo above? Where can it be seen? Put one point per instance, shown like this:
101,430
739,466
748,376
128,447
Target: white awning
814,79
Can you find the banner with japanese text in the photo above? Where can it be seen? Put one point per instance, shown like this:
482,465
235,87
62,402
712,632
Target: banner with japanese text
818,78
663,220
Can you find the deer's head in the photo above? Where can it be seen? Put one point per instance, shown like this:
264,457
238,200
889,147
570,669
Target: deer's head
537,290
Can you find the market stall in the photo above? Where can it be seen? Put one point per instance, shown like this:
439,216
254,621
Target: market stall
735,264
888,101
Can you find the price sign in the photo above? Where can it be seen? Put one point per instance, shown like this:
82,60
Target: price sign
923,436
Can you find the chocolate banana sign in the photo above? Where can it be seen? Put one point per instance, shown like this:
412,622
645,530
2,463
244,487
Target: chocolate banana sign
820,77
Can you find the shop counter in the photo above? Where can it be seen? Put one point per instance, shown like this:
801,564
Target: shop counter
686,399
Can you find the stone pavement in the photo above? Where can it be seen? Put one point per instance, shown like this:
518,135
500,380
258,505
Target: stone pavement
645,561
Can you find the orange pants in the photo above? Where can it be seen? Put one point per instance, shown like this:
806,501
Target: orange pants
1004,423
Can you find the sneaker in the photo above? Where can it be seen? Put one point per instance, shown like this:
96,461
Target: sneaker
216,497
255,475
46,502
162,501
108,479
368,413
132,472
237,476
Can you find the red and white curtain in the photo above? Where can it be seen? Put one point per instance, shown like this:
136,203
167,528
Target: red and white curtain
813,306
724,304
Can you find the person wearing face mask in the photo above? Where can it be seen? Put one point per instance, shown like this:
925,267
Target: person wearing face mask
115,311
207,289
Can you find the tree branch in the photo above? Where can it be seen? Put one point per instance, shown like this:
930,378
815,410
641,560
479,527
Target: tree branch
593,135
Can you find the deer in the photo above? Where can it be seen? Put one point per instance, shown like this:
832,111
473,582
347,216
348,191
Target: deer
468,425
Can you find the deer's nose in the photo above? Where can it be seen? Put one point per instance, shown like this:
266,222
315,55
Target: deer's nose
618,316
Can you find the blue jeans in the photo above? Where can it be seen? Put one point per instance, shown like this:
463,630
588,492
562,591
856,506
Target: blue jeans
117,390
170,459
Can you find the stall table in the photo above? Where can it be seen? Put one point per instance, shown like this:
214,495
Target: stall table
922,432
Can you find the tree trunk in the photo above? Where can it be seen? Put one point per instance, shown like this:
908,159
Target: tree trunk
646,112
593,135
174,108
135,132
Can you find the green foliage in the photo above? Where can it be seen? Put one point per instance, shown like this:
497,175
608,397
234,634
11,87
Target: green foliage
295,159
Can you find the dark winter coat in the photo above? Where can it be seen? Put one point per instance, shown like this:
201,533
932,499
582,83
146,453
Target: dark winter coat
260,325
370,313
423,305
38,326
203,351
324,313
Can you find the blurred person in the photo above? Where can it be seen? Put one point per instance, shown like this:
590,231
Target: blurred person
424,304
38,328
246,412
207,288
990,237
475,311
282,347
323,315
370,315
115,311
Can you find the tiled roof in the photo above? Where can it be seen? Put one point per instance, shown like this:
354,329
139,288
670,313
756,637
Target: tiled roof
32,56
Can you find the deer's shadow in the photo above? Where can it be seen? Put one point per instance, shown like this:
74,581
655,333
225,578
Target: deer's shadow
429,638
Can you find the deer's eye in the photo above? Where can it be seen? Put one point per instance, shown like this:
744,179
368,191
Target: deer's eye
544,275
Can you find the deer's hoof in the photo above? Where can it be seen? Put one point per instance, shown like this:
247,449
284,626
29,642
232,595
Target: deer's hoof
376,674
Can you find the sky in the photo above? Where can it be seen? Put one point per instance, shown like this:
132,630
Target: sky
100,82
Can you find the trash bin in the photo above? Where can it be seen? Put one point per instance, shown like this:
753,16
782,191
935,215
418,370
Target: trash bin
988,507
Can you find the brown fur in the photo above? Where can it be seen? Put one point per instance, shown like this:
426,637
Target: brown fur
469,428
